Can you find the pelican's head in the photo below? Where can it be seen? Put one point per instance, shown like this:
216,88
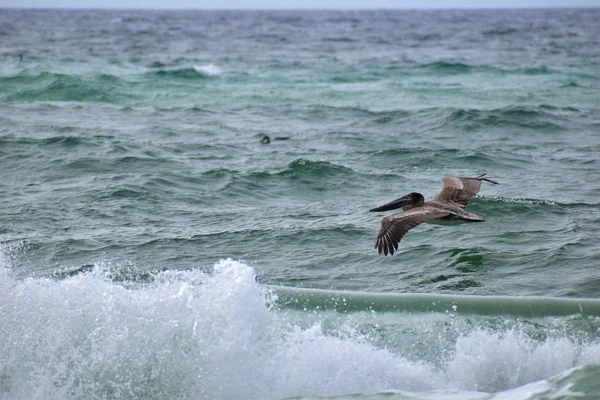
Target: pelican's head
412,199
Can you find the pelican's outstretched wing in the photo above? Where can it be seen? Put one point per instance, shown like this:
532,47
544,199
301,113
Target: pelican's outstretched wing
393,227
460,190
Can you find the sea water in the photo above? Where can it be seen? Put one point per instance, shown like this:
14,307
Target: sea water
152,247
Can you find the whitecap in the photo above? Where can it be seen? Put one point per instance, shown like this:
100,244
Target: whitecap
208,70
192,334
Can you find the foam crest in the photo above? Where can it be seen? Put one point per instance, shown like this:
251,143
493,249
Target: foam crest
87,335
188,334
208,70
493,362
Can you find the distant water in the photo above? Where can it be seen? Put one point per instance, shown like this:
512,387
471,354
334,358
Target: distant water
152,247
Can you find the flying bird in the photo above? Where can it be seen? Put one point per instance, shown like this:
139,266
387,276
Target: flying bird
447,207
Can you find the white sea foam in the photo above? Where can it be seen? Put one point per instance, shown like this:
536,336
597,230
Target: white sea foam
208,70
194,335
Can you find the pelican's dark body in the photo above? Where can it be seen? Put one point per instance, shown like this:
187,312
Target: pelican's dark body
448,207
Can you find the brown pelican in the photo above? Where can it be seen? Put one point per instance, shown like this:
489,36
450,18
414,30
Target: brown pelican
448,206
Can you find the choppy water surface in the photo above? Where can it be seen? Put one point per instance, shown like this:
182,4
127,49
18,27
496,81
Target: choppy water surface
146,232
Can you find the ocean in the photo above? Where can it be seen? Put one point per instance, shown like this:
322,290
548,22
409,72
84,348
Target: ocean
153,246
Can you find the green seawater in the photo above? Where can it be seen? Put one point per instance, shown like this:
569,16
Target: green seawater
151,246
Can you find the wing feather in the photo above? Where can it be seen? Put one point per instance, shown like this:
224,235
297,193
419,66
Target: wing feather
394,227
460,189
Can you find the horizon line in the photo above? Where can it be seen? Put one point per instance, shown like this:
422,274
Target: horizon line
574,7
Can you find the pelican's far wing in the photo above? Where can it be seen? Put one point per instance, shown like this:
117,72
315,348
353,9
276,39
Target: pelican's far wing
393,227
460,190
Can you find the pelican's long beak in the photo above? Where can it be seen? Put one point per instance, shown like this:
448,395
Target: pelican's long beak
401,202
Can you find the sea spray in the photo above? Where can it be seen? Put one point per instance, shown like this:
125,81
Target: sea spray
186,332
208,70
192,334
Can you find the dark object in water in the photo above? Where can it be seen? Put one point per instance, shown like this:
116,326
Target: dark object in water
267,140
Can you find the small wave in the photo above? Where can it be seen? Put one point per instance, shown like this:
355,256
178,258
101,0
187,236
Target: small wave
386,117
416,302
460,285
195,72
301,174
535,117
540,70
578,382
318,175
440,157
268,37
502,207
424,37
66,141
305,167
181,73
562,109
571,84
415,151
341,39
538,204
448,67
208,70
344,19
103,164
157,65
49,86
500,31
